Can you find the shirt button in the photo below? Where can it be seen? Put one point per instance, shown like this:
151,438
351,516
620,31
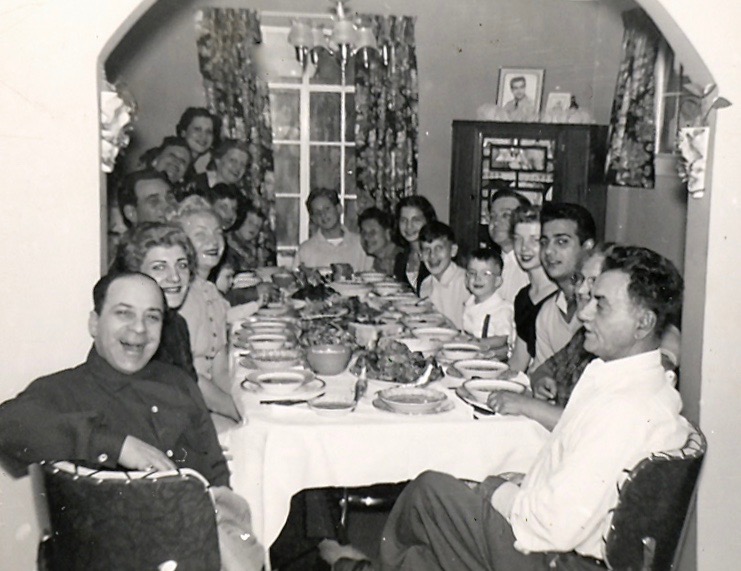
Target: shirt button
102,457
169,453
155,409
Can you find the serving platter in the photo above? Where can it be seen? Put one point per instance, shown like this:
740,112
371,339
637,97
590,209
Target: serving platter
445,406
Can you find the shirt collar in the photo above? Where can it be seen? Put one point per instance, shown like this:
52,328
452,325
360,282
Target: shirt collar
342,228
116,379
448,275
625,368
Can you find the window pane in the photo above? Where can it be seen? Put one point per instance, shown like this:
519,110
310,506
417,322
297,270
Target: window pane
351,217
284,110
325,167
325,117
350,117
286,161
287,220
350,186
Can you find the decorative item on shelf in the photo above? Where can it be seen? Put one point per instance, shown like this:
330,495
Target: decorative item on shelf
519,93
693,137
562,107
350,35
117,110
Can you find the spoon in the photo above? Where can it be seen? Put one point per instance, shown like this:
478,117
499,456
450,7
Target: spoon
424,378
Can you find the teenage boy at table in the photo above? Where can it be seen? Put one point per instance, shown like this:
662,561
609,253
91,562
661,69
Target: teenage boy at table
121,409
446,284
485,314
621,410
502,204
567,234
332,243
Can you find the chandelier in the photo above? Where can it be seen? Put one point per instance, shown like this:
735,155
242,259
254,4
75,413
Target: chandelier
349,35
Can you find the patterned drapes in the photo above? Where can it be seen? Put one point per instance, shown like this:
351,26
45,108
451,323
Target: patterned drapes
225,38
386,107
630,158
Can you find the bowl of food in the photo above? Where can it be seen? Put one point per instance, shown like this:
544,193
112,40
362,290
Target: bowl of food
274,359
480,389
411,307
283,279
385,288
412,400
281,382
425,346
459,351
266,341
423,320
328,359
441,334
481,368
329,405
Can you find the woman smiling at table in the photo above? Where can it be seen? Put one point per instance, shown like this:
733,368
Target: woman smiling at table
412,213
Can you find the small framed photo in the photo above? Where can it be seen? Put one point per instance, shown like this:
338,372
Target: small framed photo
558,101
520,90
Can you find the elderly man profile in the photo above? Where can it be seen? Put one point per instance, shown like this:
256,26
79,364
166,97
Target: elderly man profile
520,107
120,409
146,196
622,409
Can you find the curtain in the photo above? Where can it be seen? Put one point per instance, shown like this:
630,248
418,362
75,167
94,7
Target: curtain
225,38
386,115
630,157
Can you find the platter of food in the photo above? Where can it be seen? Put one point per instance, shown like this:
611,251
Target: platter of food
393,361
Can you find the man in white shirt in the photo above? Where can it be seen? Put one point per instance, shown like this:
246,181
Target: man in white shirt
567,234
502,204
622,410
332,243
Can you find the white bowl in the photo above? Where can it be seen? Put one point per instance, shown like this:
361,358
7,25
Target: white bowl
412,308
275,360
281,382
351,289
425,346
481,368
328,405
480,389
267,341
385,289
372,277
423,320
246,279
441,334
459,351
412,400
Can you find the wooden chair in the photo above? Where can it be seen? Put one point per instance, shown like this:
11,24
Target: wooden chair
649,520
103,520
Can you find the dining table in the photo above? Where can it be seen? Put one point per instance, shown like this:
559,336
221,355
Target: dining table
279,450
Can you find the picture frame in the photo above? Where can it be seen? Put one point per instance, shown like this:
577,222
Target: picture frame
532,90
558,101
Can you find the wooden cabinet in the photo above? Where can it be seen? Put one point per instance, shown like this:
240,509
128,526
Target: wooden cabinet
543,161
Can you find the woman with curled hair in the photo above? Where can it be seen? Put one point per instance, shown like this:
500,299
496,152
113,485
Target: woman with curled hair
200,129
228,165
412,213
163,252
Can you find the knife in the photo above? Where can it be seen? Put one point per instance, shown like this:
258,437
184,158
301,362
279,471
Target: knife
287,402
361,385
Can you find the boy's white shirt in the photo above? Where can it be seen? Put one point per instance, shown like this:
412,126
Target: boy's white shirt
448,293
501,320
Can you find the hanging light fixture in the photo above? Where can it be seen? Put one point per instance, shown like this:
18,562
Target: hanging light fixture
348,33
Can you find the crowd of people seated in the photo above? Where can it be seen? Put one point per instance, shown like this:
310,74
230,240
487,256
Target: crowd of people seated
594,326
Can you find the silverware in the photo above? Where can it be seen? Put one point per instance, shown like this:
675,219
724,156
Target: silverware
424,377
288,402
361,385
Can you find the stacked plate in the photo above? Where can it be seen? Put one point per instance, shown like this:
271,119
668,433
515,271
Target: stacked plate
412,400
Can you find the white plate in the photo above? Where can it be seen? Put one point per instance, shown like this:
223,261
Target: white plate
412,400
423,320
480,389
280,382
309,390
445,406
468,398
439,334
480,368
459,351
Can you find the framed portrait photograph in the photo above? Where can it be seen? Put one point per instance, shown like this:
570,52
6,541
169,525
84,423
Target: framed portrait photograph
558,101
520,90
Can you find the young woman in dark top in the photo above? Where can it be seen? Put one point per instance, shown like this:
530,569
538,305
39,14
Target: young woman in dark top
412,213
201,130
163,252
526,237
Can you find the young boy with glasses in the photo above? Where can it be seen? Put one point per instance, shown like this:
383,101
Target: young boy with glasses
486,314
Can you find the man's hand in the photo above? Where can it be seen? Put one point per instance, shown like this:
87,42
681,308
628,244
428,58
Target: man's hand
507,402
138,455
544,388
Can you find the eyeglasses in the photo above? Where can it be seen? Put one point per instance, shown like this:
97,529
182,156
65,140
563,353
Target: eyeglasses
578,279
471,275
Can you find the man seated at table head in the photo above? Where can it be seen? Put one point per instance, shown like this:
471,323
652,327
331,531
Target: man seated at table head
332,243
146,196
622,409
120,409
567,234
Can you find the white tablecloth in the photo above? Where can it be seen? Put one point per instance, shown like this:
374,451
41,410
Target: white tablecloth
280,451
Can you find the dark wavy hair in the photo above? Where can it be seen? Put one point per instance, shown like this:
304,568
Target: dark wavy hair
101,287
138,241
492,253
435,230
191,113
413,201
585,227
383,218
127,188
654,282
328,193
524,215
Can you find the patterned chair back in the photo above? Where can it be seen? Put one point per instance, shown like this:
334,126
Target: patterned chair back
102,520
648,522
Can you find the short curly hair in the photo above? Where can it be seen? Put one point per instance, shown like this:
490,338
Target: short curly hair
139,240
654,282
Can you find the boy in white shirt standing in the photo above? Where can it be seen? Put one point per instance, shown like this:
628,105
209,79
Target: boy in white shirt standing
446,284
486,314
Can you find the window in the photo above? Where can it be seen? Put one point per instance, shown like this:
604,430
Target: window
313,119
